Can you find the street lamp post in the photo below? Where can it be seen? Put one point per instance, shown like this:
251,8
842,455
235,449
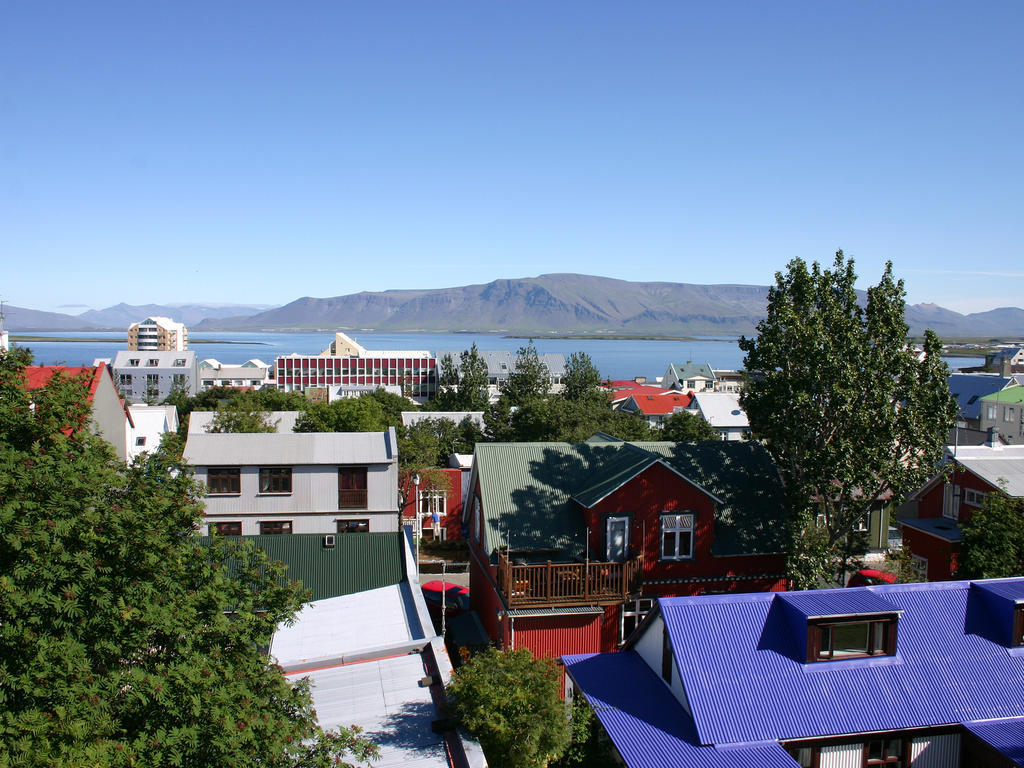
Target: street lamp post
419,520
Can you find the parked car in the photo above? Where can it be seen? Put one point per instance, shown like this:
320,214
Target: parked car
869,577
454,597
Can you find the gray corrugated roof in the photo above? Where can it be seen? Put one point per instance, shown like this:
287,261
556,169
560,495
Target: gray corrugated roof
412,417
206,449
528,490
1002,467
501,362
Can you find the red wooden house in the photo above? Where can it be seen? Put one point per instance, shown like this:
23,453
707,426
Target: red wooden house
440,491
948,499
571,542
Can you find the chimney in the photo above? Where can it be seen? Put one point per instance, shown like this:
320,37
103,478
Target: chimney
993,439
1006,366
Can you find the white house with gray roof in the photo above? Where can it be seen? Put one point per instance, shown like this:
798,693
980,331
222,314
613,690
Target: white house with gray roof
150,376
723,412
314,482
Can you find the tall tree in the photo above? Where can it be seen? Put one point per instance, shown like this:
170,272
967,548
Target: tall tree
582,380
473,393
992,539
512,703
843,404
530,378
242,415
122,641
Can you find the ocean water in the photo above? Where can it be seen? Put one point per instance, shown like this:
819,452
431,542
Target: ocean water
615,358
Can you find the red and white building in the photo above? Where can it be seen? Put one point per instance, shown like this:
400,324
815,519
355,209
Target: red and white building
349,366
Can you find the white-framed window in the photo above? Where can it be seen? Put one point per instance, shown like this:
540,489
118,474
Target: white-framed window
990,412
677,535
951,501
864,523
821,520
432,502
973,497
1009,414
633,612
153,362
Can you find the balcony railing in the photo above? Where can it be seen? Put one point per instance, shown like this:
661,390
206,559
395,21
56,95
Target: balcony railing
552,584
352,498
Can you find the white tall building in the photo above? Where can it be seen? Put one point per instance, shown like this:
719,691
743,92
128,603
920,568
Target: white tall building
158,334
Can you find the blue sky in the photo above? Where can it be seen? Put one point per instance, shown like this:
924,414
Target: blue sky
258,152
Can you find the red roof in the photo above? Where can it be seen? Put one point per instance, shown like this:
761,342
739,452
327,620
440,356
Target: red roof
622,390
662,405
38,376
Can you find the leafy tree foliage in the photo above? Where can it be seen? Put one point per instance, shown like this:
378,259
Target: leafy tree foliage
462,387
241,415
582,380
686,427
992,539
530,378
391,405
359,414
845,407
116,648
510,701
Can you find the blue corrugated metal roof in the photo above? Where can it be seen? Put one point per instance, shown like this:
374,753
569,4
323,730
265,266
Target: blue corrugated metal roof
648,726
745,684
1004,736
819,603
1010,589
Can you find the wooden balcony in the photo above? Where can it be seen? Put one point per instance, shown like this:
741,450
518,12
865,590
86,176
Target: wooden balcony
553,584
352,498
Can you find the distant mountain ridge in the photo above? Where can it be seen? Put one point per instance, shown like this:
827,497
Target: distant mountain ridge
571,303
120,316
555,303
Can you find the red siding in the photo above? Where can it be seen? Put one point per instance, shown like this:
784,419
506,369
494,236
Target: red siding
658,490
930,503
451,521
941,554
557,635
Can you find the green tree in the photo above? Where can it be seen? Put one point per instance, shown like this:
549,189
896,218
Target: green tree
529,379
360,414
683,427
123,642
992,539
511,702
462,386
582,380
242,415
843,404
427,443
473,393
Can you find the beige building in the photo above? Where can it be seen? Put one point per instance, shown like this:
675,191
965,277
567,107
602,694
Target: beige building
158,334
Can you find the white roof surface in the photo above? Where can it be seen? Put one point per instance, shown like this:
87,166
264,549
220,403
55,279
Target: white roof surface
205,449
412,417
199,421
1003,466
721,409
355,625
385,699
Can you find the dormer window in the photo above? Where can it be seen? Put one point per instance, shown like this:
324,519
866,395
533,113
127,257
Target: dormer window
1018,625
179,362
835,625
152,362
133,362
851,637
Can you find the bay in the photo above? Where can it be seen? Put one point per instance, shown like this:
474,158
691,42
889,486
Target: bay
615,358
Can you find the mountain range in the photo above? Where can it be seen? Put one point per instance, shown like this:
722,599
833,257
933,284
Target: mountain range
556,303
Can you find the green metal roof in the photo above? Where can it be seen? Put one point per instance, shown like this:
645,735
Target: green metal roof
533,494
1010,395
693,370
356,562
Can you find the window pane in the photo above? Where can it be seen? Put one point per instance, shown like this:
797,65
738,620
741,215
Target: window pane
850,639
